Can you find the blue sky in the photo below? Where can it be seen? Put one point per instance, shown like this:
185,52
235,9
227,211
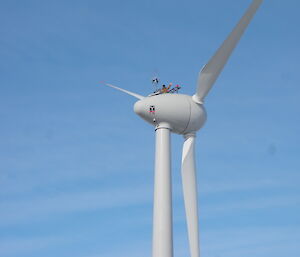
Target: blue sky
76,164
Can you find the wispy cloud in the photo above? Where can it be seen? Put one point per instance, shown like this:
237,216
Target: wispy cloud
212,187
256,241
19,245
248,204
30,210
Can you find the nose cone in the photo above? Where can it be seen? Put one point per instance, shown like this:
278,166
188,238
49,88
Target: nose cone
139,108
142,108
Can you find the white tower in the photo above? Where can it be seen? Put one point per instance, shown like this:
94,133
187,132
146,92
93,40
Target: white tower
184,115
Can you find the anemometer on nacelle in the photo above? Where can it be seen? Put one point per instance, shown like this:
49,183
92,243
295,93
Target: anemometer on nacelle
163,89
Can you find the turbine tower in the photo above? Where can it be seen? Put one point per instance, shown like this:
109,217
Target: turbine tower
184,115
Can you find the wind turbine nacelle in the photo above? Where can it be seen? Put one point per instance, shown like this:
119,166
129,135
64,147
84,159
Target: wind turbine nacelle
179,111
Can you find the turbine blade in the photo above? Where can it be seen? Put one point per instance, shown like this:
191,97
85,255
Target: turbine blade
189,181
210,72
126,91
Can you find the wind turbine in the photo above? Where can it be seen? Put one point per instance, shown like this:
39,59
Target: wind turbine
184,115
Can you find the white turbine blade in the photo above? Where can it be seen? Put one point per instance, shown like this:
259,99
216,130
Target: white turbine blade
210,72
188,172
126,91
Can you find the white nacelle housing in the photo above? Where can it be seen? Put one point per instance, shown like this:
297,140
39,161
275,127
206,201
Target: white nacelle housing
180,112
